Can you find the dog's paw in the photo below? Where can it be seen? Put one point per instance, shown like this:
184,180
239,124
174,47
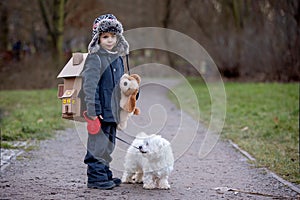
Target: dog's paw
149,186
164,187
127,181
164,184
138,178
139,182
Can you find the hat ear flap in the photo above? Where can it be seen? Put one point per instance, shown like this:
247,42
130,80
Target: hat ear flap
93,45
122,46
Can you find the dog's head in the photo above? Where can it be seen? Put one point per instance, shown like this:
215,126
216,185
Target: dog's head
129,84
153,145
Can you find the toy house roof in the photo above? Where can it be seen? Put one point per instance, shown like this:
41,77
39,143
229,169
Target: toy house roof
74,66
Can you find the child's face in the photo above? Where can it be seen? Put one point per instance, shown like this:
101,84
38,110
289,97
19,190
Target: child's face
108,41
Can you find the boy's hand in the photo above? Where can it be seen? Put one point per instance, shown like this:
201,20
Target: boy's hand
93,123
95,117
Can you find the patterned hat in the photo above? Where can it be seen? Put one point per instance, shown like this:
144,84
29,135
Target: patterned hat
108,23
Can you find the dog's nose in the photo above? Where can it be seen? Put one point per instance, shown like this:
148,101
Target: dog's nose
141,149
125,83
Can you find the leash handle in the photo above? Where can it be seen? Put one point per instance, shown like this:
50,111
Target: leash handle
93,126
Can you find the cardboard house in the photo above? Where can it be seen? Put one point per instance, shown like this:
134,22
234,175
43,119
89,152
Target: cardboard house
69,90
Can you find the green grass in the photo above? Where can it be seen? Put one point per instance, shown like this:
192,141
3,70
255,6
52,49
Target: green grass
263,119
27,115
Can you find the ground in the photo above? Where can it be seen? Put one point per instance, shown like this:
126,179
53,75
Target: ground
55,169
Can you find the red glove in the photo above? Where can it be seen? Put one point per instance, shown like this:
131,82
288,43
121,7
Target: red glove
93,126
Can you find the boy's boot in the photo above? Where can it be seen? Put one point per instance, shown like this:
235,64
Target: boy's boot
97,178
117,181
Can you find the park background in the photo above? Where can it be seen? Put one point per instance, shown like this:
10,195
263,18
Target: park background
248,40
254,43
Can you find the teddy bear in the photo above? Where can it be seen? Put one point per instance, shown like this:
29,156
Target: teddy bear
129,86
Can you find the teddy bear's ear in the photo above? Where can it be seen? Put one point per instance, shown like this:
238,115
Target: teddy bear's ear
136,77
130,105
125,76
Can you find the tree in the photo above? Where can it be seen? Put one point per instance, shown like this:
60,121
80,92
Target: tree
53,18
4,25
251,39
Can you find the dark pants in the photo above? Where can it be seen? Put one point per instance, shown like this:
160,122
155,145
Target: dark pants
99,149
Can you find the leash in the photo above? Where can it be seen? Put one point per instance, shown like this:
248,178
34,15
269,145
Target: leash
126,142
127,63
140,149
128,71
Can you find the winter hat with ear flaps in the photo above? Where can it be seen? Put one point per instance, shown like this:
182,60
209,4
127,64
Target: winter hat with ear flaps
108,23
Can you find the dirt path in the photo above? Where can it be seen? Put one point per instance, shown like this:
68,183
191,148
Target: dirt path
56,170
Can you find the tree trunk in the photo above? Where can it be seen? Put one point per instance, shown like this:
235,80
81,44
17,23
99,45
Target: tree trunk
4,26
166,22
58,21
54,23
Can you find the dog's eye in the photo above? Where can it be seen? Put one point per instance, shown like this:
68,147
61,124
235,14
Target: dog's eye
125,83
147,143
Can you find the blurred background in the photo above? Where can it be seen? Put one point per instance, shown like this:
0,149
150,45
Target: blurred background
249,40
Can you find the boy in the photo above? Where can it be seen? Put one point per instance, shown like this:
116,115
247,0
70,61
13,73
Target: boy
102,71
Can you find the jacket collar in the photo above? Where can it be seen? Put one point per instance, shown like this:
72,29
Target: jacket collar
109,54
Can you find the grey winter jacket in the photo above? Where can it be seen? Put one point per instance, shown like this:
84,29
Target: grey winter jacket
101,75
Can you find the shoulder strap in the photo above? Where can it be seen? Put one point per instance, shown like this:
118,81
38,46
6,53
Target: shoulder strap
127,63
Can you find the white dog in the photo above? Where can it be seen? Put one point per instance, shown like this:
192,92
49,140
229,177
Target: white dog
150,164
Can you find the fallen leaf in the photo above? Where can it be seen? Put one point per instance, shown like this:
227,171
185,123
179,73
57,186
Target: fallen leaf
245,128
276,120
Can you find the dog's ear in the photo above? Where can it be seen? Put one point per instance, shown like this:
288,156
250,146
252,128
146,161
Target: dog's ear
136,111
163,143
142,135
125,76
136,77
130,105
